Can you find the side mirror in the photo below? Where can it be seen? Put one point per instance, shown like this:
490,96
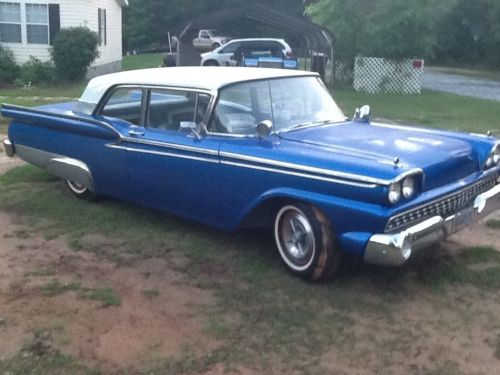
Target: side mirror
362,114
264,128
190,127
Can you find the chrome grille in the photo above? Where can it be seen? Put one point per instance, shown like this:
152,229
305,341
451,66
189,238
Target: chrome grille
444,207
270,64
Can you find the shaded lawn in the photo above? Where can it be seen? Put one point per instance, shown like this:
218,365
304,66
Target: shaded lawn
147,60
430,109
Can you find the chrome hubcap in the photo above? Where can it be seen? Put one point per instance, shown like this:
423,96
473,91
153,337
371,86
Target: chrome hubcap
295,238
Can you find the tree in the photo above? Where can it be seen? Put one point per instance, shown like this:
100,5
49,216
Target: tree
470,33
382,28
75,48
146,22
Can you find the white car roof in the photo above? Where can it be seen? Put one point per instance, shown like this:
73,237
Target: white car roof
199,77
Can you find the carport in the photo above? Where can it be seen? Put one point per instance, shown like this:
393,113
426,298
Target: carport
311,40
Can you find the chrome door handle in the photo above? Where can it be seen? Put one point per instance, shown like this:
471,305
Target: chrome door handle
136,132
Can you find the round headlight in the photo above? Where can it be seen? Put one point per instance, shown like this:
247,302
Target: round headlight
394,192
408,187
490,162
496,159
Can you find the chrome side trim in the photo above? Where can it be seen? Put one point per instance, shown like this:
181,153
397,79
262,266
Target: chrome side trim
8,147
161,153
304,168
395,249
171,146
58,165
299,174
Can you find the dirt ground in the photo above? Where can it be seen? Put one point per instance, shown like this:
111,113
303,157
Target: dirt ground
160,314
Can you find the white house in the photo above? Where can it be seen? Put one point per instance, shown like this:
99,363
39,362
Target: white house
28,27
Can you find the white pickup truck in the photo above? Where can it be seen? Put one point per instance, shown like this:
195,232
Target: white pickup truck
208,40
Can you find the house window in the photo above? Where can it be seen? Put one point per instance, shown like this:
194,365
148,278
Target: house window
10,22
102,28
37,24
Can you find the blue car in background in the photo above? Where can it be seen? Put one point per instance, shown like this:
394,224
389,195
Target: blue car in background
229,146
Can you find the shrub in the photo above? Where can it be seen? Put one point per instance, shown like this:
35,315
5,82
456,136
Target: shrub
9,70
35,71
75,48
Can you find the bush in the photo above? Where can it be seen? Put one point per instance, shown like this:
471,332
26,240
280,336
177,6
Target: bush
35,71
9,70
75,48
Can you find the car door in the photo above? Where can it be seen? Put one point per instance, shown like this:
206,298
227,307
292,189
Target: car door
238,110
225,56
170,167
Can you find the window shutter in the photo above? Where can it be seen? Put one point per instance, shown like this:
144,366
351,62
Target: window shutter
105,28
54,21
99,25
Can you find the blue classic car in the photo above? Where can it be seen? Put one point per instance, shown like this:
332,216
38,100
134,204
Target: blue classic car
233,146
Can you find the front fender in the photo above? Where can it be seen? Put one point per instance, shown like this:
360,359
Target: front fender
345,215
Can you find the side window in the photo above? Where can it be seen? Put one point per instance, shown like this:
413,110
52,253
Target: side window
169,108
241,107
205,35
278,48
230,48
125,103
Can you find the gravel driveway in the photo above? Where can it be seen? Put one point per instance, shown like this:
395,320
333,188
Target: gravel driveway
461,85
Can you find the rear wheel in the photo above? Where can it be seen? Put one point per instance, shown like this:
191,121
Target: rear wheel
81,191
305,242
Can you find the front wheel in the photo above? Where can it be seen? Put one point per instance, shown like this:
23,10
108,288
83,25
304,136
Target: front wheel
81,191
305,242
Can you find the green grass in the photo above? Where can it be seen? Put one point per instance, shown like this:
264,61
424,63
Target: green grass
106,296
54,288
147,60
430,109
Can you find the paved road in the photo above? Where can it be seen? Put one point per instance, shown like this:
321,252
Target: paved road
461,85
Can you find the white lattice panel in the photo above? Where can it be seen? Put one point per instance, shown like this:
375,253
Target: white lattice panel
375,75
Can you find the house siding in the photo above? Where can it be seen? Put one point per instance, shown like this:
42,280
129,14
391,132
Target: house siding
78,13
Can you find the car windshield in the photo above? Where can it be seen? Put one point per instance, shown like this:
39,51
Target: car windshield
214,32
289,103
302,101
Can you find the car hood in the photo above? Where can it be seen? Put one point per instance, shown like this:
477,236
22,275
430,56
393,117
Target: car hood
370,148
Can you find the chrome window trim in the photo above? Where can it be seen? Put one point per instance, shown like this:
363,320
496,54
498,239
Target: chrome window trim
107,94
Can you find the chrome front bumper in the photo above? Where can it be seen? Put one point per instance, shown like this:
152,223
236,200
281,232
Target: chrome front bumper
8,147
396,248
